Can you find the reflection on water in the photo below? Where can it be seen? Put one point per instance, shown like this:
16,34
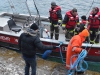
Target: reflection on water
11,63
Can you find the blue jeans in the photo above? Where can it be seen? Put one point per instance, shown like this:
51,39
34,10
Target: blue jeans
30,62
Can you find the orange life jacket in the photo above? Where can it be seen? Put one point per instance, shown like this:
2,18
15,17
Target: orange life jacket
72,21
53,13
94,22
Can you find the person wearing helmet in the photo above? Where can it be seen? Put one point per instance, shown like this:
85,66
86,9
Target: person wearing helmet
94,24
55,20
70,22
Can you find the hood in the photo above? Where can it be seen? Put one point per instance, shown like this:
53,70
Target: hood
84,33
30,32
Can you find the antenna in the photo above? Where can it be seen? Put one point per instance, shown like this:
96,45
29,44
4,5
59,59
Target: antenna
12,7
28,10
39,21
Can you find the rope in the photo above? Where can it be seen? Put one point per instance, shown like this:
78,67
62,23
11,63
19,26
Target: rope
90,7
77,65
61,52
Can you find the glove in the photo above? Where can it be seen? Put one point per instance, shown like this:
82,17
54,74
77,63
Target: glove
46,54
54,47
59,22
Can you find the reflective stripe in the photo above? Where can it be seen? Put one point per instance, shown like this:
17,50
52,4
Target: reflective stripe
74,48
90,32
60,21
85,26
72,30
55,25
78,23
63,25
92,41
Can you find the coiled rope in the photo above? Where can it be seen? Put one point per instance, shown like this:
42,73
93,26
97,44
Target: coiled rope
78,63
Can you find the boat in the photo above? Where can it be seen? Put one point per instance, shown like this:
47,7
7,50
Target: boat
9,37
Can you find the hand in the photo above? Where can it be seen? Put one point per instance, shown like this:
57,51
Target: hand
63,31
77,28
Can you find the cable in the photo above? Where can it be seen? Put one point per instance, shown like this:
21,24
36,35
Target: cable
61,52
90,7
39,21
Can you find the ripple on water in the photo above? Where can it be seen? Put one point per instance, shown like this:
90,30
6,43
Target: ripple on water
11,63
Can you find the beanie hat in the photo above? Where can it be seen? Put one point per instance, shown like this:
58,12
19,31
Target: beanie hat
53,3
34,26
84,33
83,17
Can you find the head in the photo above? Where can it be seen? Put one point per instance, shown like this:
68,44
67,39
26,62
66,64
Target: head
74,11
84,34
95,10
83,17
34,27
53,5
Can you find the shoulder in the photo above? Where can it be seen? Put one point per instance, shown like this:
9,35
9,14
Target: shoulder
58,8
22,34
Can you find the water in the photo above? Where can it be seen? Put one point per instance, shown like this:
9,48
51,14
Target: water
83,6
11,63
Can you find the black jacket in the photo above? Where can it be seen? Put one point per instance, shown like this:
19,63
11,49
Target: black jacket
28,44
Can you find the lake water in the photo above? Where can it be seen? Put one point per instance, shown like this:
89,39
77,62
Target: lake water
11,63
83,6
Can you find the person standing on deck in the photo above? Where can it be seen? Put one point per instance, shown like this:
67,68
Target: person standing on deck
28,42
74,47
94,25
55,19
70,22
82,25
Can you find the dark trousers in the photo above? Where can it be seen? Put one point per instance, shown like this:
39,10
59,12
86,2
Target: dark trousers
30,62
69,33
56,30
93,35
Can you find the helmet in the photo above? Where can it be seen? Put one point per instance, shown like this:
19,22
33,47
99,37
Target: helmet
53,3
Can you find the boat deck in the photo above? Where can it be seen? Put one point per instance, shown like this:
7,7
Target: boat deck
4,29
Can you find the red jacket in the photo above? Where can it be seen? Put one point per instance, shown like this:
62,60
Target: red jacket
53,14
94,22
83,22
72,21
